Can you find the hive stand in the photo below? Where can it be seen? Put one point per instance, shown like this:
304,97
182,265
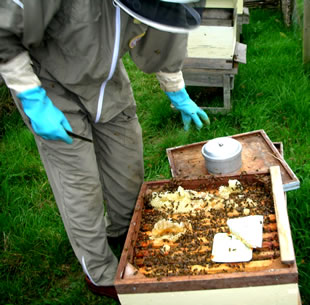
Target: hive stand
214,50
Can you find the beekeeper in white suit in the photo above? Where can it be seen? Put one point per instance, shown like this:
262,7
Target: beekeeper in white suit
62,62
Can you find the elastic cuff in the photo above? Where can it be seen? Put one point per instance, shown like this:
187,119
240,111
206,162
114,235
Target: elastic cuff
18,73
31,91
170,82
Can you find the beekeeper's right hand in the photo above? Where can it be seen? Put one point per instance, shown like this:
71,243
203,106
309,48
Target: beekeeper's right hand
46,120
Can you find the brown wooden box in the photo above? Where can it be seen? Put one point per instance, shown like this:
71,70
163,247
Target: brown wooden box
257,284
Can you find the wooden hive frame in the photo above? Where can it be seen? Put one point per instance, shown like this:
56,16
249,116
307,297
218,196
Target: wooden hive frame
263,274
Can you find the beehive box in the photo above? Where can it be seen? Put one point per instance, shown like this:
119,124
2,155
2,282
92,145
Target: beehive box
214,50
147,274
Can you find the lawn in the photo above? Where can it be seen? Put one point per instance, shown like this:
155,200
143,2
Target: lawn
272,92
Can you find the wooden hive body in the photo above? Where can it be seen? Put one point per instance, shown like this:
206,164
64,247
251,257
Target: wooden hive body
214,50
263,280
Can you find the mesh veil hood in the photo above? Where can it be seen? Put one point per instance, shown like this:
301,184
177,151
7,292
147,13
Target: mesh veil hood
165,15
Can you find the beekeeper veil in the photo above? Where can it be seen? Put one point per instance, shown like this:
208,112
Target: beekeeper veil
176,16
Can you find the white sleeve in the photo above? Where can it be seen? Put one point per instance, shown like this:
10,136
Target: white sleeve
18,73
171,82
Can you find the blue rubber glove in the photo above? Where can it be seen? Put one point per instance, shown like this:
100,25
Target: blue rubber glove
189,110
46,120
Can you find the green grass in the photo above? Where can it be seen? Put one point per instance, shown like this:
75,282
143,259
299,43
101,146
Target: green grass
271,92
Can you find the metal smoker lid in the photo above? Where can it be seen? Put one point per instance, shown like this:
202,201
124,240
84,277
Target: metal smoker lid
222,148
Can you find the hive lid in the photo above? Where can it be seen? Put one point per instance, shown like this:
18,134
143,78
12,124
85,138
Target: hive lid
258,155
221,148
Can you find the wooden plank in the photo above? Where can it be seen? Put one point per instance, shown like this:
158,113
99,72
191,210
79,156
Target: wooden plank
239,6
286,294
306,31
245,17
208,63
236,4
156,245
132,233
262,3
233,70
212,42
287,10
216,17
216,22
220,4
299,299
220,268
284,231
226,88
195,77
276,273
240,53
215,110
279,147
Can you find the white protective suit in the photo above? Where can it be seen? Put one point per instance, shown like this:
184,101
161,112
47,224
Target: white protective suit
73,49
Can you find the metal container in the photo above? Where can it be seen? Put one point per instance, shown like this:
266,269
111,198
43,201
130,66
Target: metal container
222,155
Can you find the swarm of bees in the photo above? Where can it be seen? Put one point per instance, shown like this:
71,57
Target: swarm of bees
190,254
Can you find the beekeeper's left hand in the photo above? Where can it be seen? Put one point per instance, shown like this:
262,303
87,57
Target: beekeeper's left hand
189,110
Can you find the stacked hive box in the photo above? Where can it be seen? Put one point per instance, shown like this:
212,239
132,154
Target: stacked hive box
214,50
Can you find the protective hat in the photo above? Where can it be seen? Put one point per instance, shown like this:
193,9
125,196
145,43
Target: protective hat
176,16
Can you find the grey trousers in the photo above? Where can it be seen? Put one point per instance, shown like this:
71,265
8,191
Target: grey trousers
84,176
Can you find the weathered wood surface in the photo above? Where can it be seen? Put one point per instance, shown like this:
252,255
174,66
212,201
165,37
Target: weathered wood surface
262,3
245,17
235,4
216,17
306,33
240,53
208,63
279,147
227,89
197,77
284,230
287,11
258,155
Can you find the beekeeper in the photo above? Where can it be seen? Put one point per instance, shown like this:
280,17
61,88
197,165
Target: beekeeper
62,62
